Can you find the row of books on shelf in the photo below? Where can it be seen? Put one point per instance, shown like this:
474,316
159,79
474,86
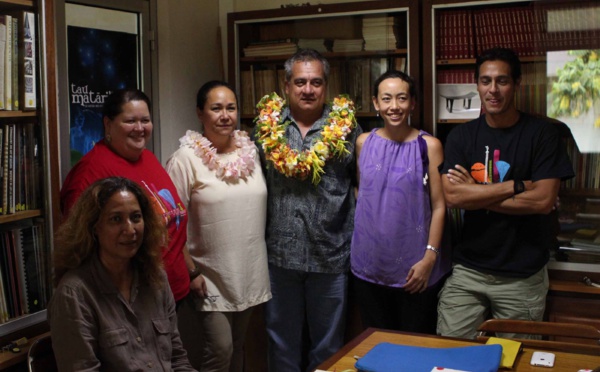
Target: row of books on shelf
578,254
454,36
347,45
286,48
465,33
572,27
24,270
354,77
456,76
271,48
17,62
378,33
384,32
20,175
586,166
580,238
519,28
531,93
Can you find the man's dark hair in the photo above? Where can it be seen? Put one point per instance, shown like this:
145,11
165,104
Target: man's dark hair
306,55
500,54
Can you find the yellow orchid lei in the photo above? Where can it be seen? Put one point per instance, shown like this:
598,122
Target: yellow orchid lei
330,143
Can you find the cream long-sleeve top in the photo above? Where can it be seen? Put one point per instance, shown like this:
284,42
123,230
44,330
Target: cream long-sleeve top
226,230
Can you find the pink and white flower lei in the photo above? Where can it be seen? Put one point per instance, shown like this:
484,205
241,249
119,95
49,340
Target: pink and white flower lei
230,171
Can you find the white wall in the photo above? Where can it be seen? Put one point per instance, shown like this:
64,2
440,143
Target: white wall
188,56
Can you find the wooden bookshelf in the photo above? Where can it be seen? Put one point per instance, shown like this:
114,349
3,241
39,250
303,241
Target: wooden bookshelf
10,4
43,120
331,55
10,359
20,216
18,114
471,61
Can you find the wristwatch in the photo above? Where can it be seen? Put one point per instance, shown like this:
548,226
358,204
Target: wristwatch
432,248
519,187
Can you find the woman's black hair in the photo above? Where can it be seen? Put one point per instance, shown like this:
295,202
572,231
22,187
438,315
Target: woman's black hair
113,104
202,95
395,74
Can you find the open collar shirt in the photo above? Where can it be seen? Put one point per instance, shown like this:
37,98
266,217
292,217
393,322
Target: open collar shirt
309,227
94,328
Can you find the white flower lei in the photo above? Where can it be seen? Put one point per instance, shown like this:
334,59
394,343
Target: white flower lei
230,171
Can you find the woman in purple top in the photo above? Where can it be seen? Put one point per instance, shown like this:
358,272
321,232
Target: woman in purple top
396,257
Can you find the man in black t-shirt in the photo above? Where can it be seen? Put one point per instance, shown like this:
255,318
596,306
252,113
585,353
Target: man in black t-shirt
504,170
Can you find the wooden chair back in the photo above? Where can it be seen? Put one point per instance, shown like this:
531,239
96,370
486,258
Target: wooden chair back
40,357
570,337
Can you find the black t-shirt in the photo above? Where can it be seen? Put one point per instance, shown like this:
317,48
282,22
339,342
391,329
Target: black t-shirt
497,243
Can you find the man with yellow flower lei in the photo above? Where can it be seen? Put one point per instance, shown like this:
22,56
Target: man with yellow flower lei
307,152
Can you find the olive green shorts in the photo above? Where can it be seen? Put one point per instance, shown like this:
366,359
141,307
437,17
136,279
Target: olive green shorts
469,297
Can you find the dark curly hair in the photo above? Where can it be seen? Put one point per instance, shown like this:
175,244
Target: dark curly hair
76,241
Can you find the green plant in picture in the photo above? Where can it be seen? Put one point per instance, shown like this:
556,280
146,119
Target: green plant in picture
578,86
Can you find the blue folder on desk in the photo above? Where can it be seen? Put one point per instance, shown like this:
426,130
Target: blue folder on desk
386,357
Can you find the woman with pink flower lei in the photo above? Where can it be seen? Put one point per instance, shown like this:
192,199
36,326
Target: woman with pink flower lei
219,179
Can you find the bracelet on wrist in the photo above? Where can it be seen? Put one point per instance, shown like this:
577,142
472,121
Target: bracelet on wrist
195,273
432,248
519,187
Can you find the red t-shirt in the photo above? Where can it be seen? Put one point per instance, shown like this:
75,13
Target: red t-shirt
102,162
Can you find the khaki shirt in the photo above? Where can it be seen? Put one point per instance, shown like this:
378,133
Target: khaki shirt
93,328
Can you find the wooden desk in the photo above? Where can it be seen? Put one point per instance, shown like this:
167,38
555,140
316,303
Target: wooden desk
8,359
344,359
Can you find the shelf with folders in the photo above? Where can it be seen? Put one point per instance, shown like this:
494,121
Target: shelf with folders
360,40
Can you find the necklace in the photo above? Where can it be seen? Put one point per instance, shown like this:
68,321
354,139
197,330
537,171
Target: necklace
331,142
230,171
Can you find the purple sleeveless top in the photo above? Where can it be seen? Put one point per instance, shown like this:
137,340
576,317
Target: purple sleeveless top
393,212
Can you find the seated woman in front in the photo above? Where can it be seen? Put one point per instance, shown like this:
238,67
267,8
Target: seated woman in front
112,309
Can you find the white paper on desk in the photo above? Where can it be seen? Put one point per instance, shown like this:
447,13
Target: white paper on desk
442,369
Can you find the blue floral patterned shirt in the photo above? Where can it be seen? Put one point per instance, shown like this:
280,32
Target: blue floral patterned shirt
309,227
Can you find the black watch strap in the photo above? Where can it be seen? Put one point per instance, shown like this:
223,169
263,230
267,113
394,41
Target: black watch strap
519,187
